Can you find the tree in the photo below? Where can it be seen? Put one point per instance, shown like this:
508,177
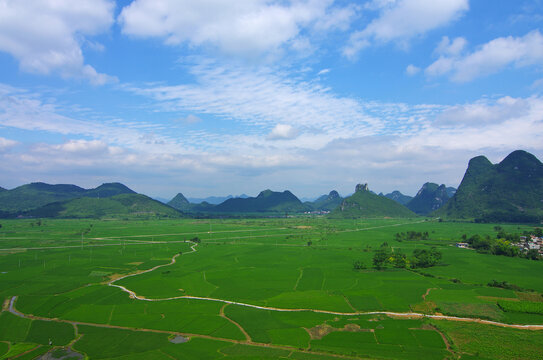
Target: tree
359,265
538,232
532,254
380,258
400,260
423,258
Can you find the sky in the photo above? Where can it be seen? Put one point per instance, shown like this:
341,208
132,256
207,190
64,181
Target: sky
217,97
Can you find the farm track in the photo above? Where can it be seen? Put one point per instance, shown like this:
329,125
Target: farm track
409,315
123,241
14,311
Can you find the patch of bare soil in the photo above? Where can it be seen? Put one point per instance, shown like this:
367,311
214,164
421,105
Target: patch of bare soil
320,331
530,296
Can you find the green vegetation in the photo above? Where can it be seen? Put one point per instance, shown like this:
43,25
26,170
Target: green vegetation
326,202
366,204
36,195
60,269
266,201
118,206
421,258
506,192
521,307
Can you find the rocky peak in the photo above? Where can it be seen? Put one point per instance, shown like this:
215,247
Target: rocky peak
333,195
362,187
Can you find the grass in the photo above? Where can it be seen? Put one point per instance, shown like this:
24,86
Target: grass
264,262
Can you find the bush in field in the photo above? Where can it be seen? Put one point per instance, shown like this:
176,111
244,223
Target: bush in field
412,235
504,285
359,265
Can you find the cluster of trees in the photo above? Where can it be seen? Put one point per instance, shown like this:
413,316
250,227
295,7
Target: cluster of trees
384,257
502,244
412,235
508,217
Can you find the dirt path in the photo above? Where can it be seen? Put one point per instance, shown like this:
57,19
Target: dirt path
247,336
133,295
427,293
186,335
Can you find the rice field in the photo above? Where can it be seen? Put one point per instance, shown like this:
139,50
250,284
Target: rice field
257,288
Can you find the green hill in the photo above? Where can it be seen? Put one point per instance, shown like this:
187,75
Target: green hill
509,191
36,195
2,189
398,197
181,203
429,198
326,202
123,205
364,203
108,190
266,201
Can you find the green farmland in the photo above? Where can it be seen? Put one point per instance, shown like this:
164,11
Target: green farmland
260,289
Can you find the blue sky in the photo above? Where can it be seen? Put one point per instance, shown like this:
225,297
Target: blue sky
216,97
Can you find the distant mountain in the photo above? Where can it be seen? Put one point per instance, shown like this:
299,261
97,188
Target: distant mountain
266,201
450,191
179,202
398,197
123,205
326,202
35,195
2,189
429,198
509,191
364,203
161,199
215,200
108,190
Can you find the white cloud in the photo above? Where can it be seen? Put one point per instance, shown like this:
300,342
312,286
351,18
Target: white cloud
490,58
245,27
6,144
452,48
411,70
190,119
402,20
282,132
405,146
45,36
262,98
323,72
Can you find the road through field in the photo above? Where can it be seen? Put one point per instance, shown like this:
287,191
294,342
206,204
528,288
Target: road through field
411,315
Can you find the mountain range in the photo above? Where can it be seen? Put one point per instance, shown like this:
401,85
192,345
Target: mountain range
509,191
429,198
325,202
71,201
398,197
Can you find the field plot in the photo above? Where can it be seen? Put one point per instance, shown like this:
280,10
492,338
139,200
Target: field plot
258,288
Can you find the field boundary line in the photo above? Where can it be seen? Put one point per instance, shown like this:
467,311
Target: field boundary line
169,332
133,295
